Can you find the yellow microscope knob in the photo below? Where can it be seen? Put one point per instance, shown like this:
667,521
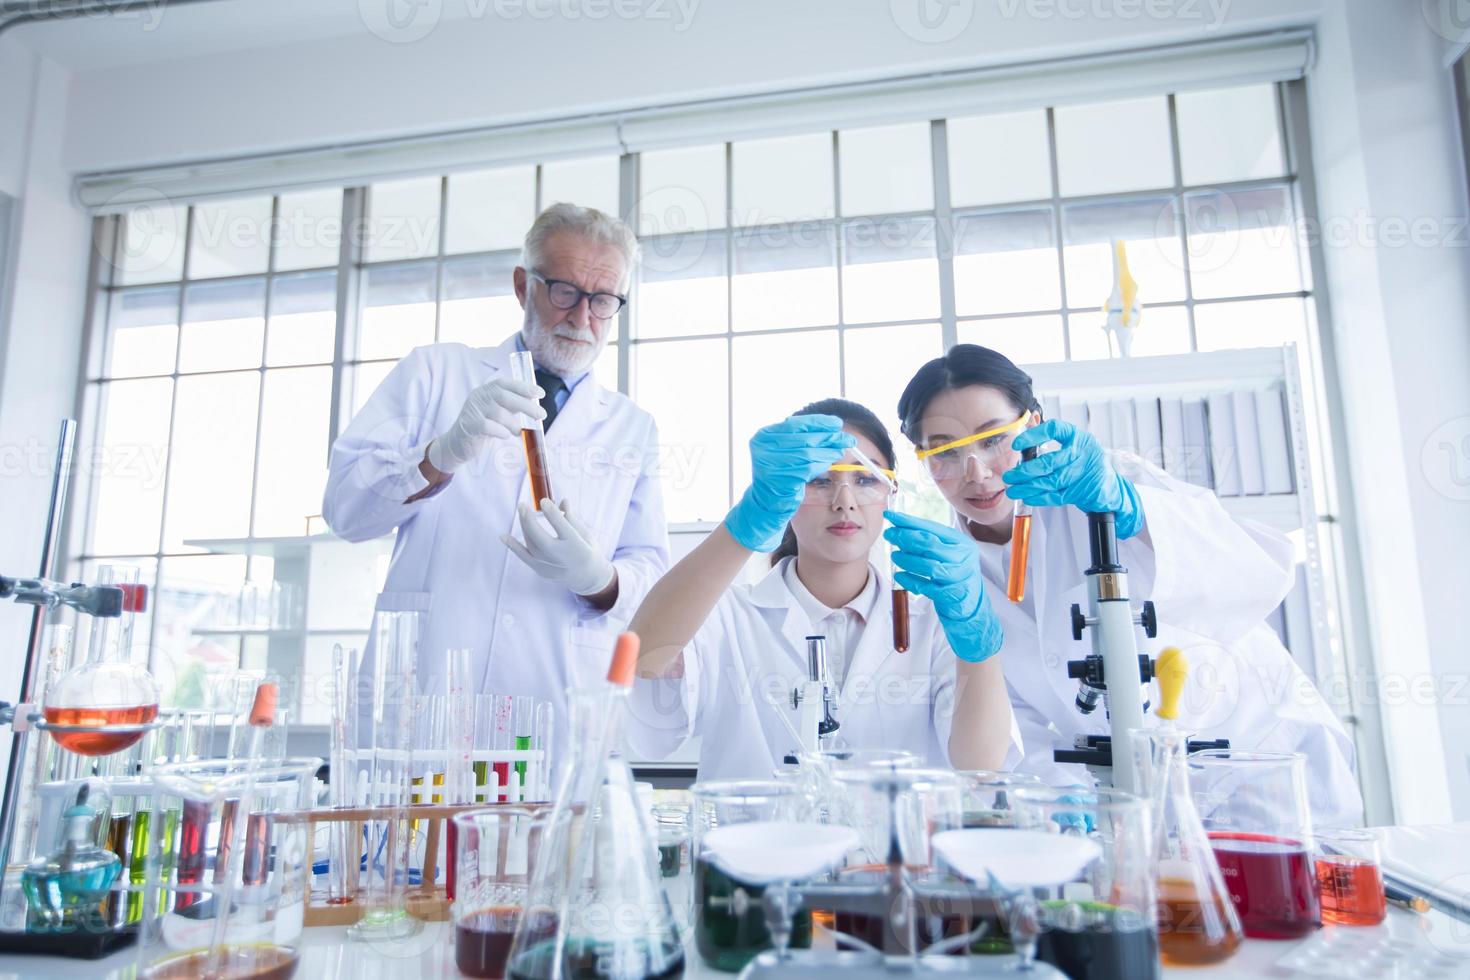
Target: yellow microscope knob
1172,670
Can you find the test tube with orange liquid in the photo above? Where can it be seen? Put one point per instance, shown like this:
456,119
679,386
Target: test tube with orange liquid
533,437
1020,542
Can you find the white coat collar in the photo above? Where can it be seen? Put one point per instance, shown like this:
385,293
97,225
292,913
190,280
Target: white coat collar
587,391
864,603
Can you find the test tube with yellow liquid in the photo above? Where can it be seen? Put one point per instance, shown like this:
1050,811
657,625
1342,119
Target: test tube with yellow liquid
533,437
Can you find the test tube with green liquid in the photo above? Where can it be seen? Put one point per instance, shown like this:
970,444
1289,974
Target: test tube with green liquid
523,722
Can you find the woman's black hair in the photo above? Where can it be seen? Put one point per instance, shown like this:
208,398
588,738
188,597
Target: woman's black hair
860,418
963,365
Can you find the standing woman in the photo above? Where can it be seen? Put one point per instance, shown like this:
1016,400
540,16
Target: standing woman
1213,579
721,660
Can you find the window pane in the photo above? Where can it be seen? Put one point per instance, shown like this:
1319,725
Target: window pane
1229,134
682,287
213,458
479,307
605,368
308,229
230,238
1107,147
1024,339
152,245
886,169
144,328
685,386
130,466
889,270
878,363
293,449
403,219
1242,243
1162,330
774,376
1006,261
1155,258
224,326
490,209
681,190
785,276
591,182
1004,157
303,319
397,310
193,593
365,379
1258,323
782,180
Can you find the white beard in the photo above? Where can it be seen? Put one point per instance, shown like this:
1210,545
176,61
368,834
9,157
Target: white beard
561,355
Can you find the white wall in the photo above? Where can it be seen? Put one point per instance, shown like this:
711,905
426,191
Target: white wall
476,70
45,265
1388,159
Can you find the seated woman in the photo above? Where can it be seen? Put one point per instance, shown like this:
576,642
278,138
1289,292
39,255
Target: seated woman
1213,579
721,660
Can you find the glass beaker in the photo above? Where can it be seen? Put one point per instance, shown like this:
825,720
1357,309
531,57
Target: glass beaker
987,796
107,703
496,854
387,729
1350,877
1103,924
671,823
596,907
729,921
225,897
1254,809
1198,922
890,805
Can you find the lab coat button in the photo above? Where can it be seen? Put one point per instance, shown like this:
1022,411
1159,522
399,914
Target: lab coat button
507,620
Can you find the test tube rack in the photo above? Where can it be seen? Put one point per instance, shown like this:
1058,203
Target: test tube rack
427,901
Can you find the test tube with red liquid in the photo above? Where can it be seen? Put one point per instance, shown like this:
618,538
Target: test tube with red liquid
1020,542
533,437
900,596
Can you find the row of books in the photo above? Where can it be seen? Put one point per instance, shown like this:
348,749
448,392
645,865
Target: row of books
1233,442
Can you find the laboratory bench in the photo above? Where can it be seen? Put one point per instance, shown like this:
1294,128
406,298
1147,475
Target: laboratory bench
1441,943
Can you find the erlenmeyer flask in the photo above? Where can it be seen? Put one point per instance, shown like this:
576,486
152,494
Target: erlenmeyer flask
595,907
1198,922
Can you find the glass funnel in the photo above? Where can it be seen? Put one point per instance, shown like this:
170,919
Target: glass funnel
107,702
1197,920
596,907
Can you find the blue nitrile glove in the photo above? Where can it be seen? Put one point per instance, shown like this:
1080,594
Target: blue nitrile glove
783,457
1078,474
944,564
1073,822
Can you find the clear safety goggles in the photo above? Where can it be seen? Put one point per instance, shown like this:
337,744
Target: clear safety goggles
948,461
864,486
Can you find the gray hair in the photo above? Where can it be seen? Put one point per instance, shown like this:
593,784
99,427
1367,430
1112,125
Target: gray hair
590,223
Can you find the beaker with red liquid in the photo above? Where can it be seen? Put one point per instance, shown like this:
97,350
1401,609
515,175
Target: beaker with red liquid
1254,809
1349,877
495,854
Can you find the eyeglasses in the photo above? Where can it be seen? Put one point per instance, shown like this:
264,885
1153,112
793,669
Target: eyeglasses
947,462
566,295
866,489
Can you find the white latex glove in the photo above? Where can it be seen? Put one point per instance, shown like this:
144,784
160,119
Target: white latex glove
493,411
570,557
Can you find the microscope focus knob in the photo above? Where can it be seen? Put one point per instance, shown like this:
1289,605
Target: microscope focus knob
1079,622
1149,619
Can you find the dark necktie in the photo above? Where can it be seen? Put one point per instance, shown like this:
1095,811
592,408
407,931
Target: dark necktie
553,385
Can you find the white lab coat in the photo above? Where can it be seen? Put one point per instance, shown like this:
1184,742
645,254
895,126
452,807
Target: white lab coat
749,655
526,635
1213,580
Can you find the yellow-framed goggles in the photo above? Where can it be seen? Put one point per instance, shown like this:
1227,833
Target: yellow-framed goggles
860,468
998,430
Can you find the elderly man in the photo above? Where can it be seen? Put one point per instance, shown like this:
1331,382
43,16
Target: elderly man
437,454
